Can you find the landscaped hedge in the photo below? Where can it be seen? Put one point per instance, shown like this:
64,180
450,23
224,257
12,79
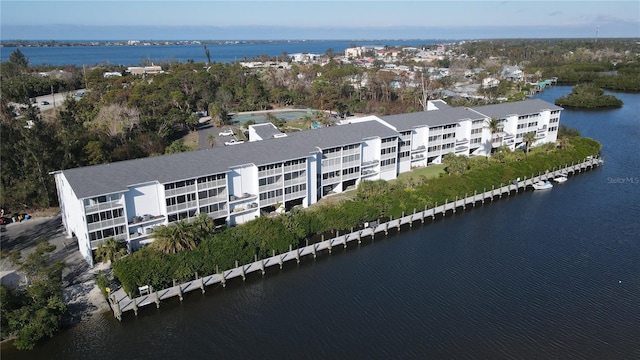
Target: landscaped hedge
263,236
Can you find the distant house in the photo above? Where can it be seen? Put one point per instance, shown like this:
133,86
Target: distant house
140,70
354,52
304,57
109,74
490,82
512,73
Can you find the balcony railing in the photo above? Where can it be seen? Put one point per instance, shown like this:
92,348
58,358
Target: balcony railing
103,206
370,163
109,223
145,219
244,208
120,237
241,197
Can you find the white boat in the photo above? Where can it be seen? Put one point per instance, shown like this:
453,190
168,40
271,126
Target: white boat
560,179
542,185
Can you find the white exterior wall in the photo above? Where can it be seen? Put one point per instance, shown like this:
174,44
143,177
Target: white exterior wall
144,199
73,218
404,164
463,134
388,174
253,134
243,180
543,127
313,169
370,154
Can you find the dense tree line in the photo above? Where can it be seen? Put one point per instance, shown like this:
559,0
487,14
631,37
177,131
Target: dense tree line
186,249
608,63
588,96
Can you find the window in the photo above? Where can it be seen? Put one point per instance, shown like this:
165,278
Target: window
388,162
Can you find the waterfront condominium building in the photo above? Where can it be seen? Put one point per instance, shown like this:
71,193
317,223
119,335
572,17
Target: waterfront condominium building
275,171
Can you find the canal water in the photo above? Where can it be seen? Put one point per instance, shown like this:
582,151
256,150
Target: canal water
541,275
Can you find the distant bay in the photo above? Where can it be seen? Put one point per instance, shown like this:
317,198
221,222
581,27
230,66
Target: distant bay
221,53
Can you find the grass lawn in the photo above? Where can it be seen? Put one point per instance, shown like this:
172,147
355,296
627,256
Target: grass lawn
431,171
191,140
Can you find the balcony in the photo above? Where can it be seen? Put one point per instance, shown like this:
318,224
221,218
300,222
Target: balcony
461,148
145,219
462,142
417,157
368,173
107,223
240,198
102,206
420,148
120,237
370,163
244,208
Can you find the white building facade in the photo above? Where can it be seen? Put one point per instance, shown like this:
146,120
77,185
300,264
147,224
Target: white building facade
126,200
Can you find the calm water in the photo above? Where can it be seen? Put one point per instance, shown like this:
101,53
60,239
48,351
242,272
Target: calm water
542,275
224,53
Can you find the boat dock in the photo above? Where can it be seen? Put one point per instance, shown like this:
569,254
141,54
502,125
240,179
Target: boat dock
121,302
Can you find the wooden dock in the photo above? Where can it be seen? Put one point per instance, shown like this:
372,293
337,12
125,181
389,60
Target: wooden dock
121,302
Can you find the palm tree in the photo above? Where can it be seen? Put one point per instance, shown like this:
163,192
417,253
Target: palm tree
110,250
173,238
494,125
203,225
529,138
211,139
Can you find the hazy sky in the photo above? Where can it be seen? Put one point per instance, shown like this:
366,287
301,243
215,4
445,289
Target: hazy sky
300,19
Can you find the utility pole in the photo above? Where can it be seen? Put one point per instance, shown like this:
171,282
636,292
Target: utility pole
597,28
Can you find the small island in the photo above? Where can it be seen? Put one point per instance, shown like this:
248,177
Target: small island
588,96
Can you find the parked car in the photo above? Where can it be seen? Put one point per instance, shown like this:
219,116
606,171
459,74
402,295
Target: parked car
44,103
227,132
233,142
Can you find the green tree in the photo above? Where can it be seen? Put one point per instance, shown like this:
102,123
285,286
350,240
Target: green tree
36,310
176,147
173,238
110,250
528,139
455,165
494,126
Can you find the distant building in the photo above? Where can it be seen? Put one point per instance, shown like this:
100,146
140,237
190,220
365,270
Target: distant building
111,74
140,70
512,73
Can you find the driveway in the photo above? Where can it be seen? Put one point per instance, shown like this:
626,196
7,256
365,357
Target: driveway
83,298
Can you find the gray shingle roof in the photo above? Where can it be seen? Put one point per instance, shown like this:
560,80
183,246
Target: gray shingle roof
266,130
97,180
453,115
526,107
